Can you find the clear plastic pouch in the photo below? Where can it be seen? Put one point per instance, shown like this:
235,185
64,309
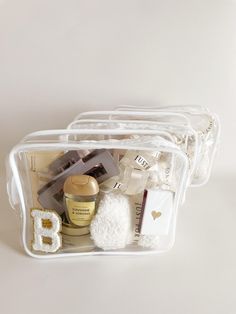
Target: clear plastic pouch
207,126
184,136
121,218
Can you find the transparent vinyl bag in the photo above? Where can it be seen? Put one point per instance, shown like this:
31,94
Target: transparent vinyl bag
47,167
183,136
207,126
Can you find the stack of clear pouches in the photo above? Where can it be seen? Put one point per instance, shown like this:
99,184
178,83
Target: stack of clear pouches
193,128
112,182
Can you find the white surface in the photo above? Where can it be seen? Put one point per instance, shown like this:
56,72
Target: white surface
197,276
58,58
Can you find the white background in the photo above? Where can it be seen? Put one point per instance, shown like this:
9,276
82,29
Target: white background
58,58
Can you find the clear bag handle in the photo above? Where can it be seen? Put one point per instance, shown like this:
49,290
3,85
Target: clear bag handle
175,108
12,192
73,125
63,134
109,114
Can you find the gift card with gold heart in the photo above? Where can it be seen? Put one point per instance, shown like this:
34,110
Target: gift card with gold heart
157,212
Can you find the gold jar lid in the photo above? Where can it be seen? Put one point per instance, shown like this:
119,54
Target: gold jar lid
81,185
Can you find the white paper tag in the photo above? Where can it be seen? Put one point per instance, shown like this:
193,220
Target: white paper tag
157,212
142,162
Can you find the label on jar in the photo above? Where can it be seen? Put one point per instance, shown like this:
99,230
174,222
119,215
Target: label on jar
80,213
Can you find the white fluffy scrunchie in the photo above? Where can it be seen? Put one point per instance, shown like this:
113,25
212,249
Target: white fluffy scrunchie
112,227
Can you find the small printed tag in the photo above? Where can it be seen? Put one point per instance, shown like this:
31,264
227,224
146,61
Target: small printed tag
136,201
157,212
142,162
117,185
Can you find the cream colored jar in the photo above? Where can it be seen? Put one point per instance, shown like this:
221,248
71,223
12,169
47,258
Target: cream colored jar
80,193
